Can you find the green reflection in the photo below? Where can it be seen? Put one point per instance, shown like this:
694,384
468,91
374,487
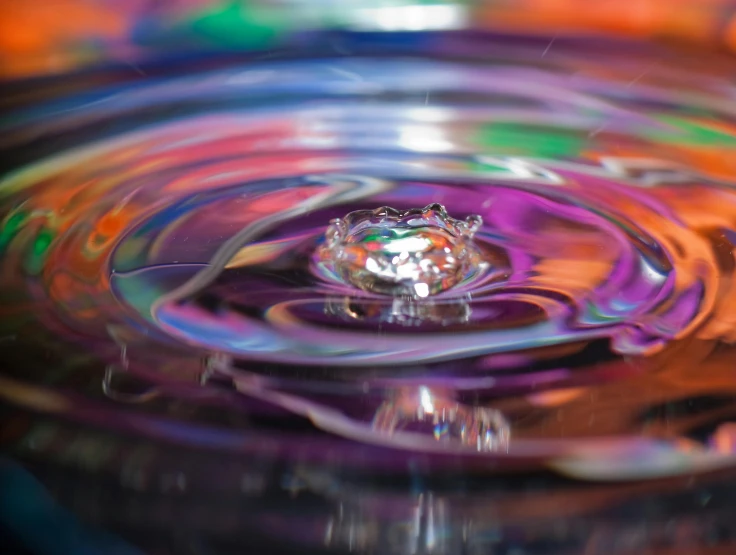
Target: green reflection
541,142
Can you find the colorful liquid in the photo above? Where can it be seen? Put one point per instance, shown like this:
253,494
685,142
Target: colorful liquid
165,274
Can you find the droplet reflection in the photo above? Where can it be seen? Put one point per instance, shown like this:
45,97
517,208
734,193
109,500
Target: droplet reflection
425,411
404,311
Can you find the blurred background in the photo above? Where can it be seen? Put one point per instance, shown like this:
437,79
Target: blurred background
38,37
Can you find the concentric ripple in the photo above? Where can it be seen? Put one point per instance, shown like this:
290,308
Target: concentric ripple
175,219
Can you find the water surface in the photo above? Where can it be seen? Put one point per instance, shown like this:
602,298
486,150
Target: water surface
158,282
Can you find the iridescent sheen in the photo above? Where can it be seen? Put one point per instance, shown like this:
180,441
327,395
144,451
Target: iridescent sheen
172,227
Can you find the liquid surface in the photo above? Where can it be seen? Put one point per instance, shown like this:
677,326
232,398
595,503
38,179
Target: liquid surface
167,270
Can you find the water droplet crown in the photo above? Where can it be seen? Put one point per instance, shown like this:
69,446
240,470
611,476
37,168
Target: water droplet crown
417,252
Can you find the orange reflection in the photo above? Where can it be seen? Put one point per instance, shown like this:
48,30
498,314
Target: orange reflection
48,37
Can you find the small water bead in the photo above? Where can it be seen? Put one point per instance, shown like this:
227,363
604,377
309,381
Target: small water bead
415,253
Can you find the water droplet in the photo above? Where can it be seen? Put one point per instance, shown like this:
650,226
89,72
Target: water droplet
425,411
414,253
